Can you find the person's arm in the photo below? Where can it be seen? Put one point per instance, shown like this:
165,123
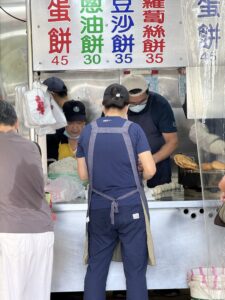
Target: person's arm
171,143
81,153
148,164
164,120
82,168
221,186
209,142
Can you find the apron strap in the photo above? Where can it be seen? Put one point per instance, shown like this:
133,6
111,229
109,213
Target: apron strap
130,151
111,129
91,146
114,204
95,130
124,131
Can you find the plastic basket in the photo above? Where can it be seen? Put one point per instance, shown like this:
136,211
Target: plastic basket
207,283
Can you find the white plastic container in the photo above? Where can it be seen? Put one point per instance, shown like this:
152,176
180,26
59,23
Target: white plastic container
207,283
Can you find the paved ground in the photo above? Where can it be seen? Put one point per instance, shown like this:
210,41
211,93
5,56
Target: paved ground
184,295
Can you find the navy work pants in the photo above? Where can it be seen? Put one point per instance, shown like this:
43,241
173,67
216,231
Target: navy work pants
129,229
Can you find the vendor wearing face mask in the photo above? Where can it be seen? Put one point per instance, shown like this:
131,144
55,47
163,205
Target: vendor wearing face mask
154,114
76,118
65,139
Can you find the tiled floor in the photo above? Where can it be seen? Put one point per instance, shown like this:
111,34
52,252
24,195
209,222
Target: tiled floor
184,295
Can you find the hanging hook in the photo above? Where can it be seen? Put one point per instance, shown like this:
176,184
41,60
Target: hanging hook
39,76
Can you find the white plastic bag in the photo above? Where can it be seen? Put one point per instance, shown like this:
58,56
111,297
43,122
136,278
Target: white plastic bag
65,189
37,107
58,116
65,166
20,91
19,107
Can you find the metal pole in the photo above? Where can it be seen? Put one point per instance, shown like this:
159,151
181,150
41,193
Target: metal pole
41,140
29,58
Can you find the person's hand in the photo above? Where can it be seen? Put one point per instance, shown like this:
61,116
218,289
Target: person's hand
140,167
221,186
209,142
217,147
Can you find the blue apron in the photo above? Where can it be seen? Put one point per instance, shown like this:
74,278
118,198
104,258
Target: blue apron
114,201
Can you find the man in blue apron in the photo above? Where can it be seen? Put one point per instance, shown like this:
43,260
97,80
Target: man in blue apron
108,153
154,114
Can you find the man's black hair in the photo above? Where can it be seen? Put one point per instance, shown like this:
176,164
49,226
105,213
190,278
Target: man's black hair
62,94
8,115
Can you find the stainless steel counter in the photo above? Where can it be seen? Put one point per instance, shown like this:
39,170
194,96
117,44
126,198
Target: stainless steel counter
184,237
162,204
169,199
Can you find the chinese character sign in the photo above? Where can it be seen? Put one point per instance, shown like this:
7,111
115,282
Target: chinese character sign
204,24
59,38
109,34
92,29
204,27
208,29
154,31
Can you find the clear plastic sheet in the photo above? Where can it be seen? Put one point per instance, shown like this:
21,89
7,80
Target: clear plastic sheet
204,26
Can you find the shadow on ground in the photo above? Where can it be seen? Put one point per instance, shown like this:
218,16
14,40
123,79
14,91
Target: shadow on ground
153,295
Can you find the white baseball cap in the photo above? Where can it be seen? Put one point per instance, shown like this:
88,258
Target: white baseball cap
132,82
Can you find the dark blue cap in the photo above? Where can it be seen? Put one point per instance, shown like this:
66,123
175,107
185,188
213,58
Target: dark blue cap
55,84
74,111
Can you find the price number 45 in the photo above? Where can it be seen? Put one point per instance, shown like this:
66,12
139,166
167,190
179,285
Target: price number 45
60,60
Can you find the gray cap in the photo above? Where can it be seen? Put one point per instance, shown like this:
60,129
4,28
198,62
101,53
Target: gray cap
55,84
134,82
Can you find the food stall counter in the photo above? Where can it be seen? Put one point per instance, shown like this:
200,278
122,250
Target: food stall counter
180,240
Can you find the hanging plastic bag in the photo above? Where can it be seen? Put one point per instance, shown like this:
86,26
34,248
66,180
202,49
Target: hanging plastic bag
43,130
20,91
37,107
19,107
58,115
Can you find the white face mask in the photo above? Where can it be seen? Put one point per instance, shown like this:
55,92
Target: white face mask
71,137
137,108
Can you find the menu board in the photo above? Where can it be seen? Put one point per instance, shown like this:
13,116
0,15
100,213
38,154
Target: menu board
107,34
